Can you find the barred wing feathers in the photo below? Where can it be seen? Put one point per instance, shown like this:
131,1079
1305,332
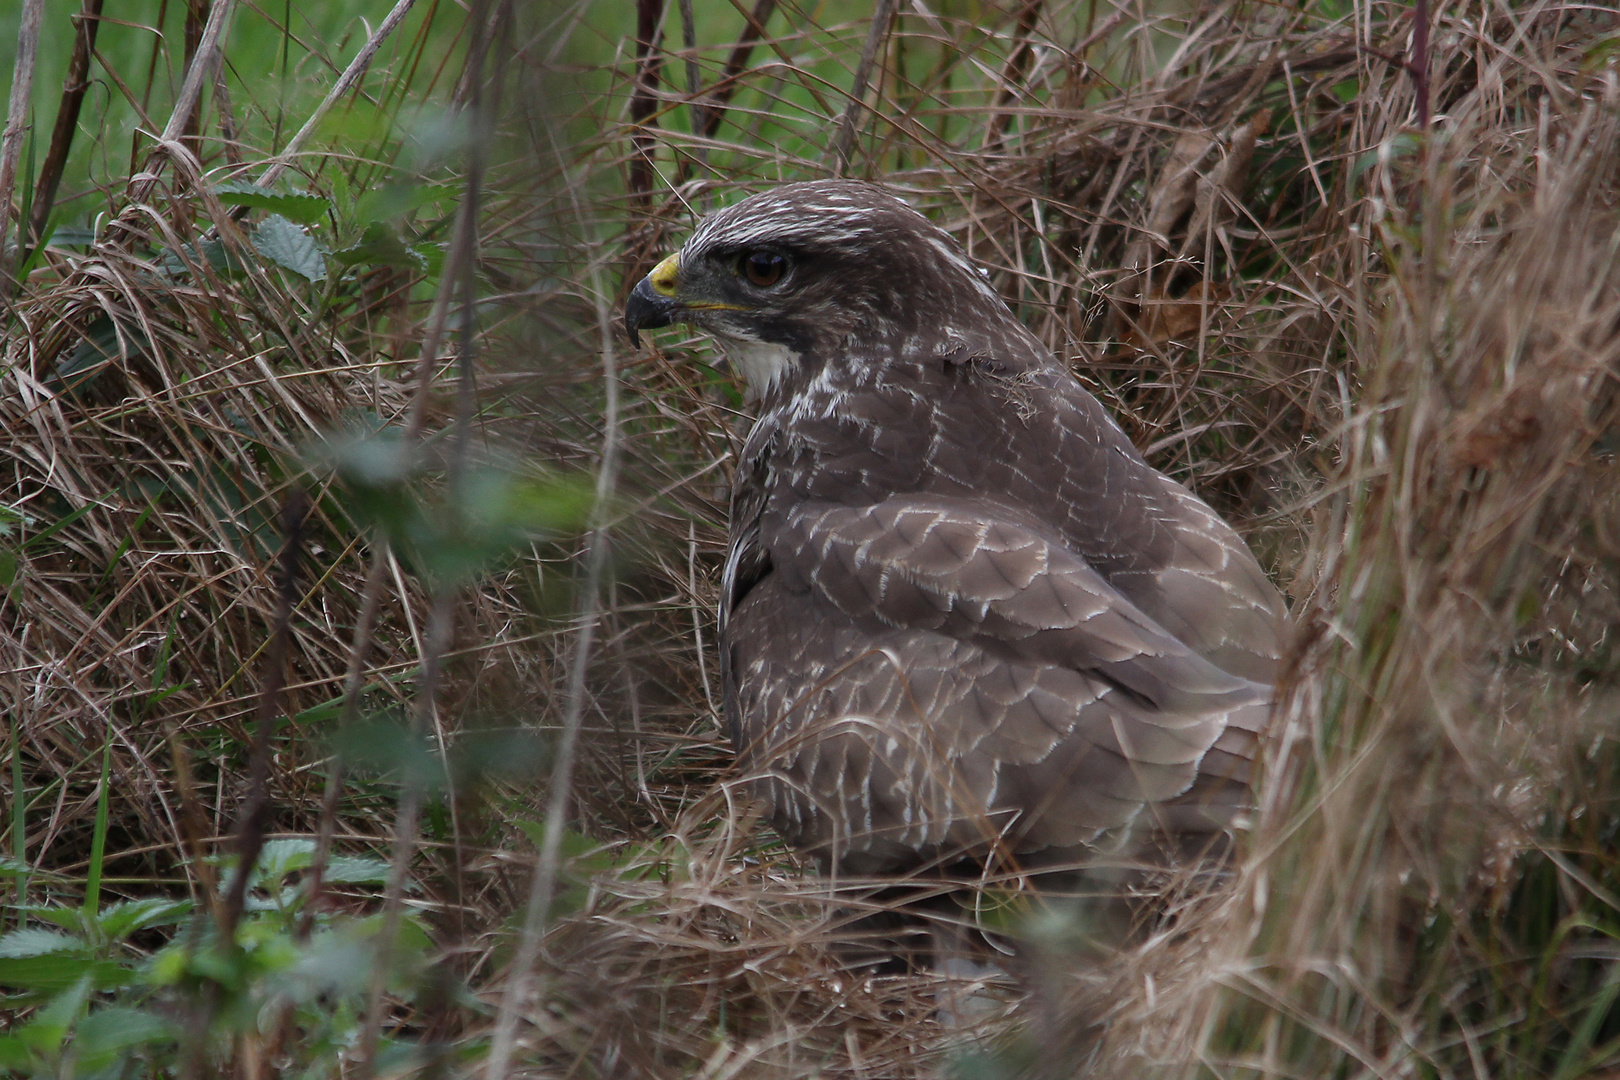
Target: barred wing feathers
919,680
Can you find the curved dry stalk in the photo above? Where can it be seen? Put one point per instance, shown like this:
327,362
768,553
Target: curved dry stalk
544,882
11,140
844,142
199,73
74,86
347,81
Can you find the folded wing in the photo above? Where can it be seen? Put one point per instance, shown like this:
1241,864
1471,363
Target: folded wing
944,681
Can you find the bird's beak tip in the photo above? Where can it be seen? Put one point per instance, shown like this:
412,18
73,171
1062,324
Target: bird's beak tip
648,309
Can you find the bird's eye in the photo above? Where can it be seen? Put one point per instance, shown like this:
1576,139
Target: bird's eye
763,268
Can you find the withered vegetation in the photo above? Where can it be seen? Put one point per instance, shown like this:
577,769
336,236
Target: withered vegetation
1359,286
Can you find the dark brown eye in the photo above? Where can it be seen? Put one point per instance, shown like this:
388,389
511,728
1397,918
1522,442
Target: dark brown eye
763,268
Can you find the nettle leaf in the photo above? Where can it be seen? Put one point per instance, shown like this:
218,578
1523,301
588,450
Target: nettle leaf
36,941
398,199
354,869
49,1026
222,259
105,342
68,236
102,1035
123,919
432,256
290,247
57,971
68,918
383,745
299,206
16,1054
380,245
278,858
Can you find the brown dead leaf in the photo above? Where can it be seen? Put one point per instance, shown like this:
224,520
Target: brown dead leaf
1161,320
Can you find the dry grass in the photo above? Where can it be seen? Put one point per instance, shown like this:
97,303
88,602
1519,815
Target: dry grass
1388,354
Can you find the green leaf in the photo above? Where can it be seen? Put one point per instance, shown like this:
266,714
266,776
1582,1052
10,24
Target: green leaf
56,971
506,502
37,941
98,840
289,247
384,745
278,858
380,245
168,966
15,1055
68,918
50,1025
398,199
222,259
101,345
1400,145
299,206
323,713
121,920
225,968
499,511
499,754
354,869
57,526
333,963
66,236
431,254
102,1034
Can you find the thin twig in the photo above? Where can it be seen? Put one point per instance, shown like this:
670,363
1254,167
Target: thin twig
844,143
74,86
353,680
720,94
1012,77
196,19
440,622
371,593
229,133
1419,66
199,73
347,81
256,809
544,882
442,613
644,102
11,140
694,99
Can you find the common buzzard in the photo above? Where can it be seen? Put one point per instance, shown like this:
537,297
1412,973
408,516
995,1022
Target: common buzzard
961,619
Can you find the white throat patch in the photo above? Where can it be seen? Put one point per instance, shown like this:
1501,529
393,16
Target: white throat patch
760,363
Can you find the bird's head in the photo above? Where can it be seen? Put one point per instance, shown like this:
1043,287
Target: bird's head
825,272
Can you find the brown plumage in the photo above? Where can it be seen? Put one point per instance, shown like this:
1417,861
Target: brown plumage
961,617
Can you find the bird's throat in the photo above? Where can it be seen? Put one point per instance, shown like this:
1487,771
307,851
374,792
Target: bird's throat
762,364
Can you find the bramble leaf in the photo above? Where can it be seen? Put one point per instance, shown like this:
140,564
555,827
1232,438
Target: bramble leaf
300,206
290,247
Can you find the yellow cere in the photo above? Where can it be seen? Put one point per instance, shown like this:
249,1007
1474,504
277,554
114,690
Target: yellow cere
663,276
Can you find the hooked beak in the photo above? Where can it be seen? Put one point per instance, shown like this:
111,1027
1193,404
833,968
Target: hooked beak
652,302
